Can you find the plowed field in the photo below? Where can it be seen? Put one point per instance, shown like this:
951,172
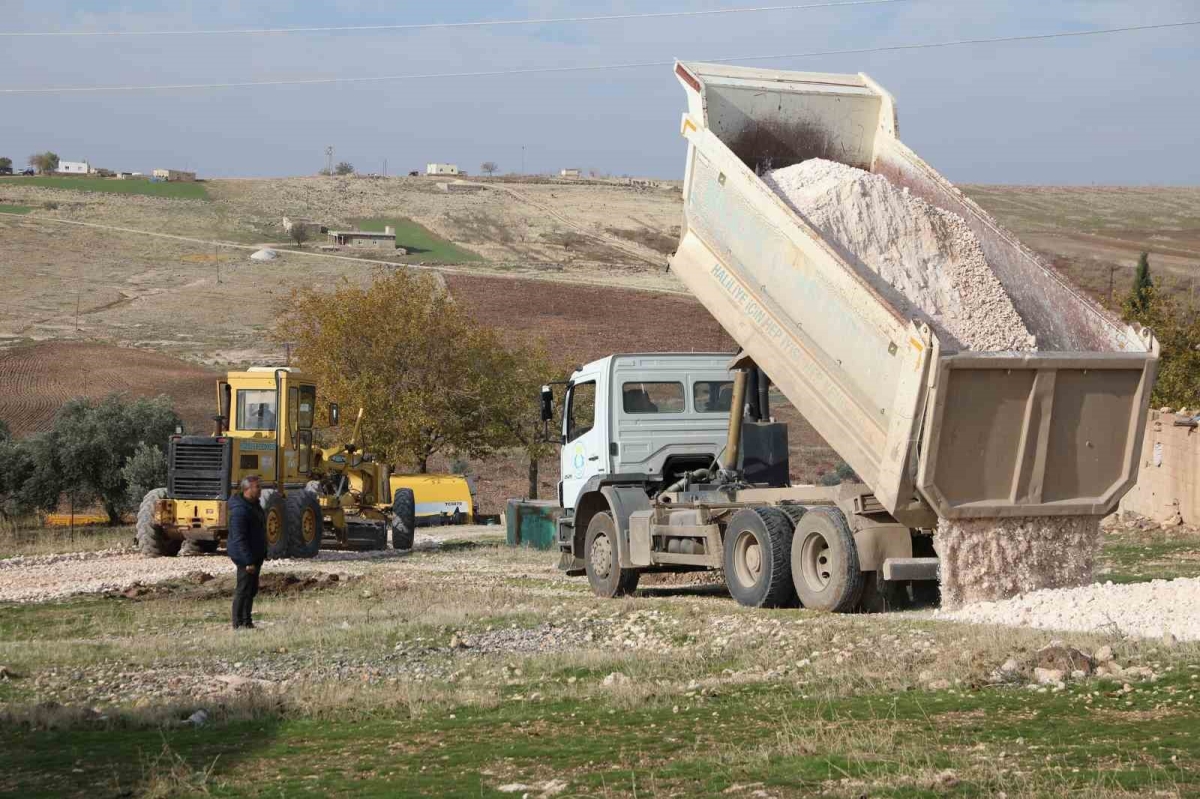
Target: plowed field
36,380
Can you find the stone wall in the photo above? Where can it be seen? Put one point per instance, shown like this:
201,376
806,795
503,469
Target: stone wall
1168,488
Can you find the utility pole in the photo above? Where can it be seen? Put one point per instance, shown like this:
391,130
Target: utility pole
385,167
217,260
522,159
329,160
77,310
1111,296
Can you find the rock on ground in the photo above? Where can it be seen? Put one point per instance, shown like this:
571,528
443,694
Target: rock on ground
928,254
1144,610
984,560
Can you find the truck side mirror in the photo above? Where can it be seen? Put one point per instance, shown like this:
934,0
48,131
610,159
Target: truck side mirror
547,404
334,414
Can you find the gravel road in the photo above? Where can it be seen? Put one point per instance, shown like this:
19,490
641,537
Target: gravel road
1161,608
46,577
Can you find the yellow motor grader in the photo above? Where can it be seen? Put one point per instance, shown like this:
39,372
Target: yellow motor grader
312,497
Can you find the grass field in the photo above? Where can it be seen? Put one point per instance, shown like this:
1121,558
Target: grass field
360,688
422,245
5,208
179,191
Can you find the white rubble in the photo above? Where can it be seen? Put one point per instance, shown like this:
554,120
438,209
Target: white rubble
1143,610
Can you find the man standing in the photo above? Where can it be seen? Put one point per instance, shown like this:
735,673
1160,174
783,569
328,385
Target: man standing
247,547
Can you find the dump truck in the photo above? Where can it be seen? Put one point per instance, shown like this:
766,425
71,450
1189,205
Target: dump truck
652,482
334,497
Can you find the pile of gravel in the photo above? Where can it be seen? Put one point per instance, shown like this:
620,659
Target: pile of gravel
928,254
1166,609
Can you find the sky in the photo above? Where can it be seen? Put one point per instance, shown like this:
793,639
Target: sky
1102,110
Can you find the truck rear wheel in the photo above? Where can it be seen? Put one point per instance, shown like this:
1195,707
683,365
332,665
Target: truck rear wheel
825,562
152,540
604,571
304,523
758,566
275,514
404,518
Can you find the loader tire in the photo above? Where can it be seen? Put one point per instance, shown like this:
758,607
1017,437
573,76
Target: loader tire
825,564
404,519
758,558
191,548
603,566
304,524
151,539
275,521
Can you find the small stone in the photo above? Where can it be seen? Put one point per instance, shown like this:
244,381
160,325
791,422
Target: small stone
456,642
1104,654
616,678
1010,666
1169,640
198,719
1047,676
939,685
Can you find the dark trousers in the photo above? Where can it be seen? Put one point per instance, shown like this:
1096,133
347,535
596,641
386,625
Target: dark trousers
244,593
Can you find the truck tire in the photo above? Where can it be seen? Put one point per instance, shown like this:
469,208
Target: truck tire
758,565
191,548
404,519
304,524
825,562
275,521
604,571
152,540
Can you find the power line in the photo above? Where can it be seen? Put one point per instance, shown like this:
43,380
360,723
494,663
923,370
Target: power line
585,67
443,25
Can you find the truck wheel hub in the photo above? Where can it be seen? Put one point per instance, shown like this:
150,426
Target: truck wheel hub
817,561
274,527
748,561
601,556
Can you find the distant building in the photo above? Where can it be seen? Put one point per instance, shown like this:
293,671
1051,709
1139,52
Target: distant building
365,238
441,169
74,167
309,226
571,173
175,175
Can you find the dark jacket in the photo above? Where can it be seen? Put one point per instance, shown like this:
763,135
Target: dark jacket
247,531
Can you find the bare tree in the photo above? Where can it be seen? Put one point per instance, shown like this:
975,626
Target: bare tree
299,233
489,168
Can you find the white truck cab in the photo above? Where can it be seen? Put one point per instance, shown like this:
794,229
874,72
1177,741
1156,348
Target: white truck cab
644,418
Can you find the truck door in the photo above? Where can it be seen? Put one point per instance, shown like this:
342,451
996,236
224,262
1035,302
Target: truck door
585,448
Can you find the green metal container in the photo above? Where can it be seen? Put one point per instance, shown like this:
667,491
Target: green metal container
531,523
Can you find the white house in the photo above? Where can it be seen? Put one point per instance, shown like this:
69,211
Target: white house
571,173
441,169
74,167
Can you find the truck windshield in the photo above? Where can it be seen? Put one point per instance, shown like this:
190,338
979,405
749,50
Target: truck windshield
712,396
256,409
643,397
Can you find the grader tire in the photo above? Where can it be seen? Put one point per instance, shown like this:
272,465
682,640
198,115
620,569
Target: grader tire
275,513
404,519
152,540
304,524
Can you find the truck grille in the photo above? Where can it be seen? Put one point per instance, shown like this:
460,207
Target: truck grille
198,468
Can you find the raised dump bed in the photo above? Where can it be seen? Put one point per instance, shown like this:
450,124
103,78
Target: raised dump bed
958,434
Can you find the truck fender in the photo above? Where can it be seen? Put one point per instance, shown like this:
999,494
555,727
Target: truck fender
879,542
623,501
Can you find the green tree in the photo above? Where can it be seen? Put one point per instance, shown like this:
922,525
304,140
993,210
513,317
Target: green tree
513,402
1178,330
1138,301
5,163
44,162
93,442
29,475
344,168
144,470
406,352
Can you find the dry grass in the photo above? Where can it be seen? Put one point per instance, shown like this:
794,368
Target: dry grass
21,539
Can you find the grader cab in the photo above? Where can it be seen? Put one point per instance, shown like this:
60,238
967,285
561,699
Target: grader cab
312,497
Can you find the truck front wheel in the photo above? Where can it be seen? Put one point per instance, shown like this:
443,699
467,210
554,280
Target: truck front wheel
604,572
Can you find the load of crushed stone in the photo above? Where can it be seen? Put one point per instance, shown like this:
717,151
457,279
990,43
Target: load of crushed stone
937,271
928,254
985,560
